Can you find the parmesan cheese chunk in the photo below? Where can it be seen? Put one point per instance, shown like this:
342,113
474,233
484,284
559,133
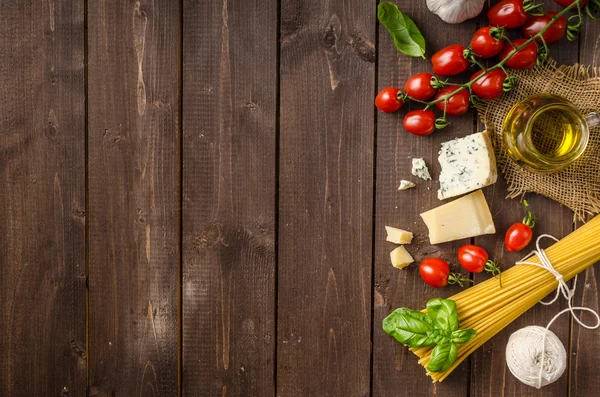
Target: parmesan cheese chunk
401,258
398,236
468,216
467,164
404,185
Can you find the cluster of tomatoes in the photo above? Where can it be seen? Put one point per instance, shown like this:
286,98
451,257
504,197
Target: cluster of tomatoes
487,42
474,259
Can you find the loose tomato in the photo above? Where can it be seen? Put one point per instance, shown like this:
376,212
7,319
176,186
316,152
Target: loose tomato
449,61
475,259
419,122
436,272
484,45
507,13
419,86
566,3
535,24
523,59
519,235
387,100
456,104
489,86
472,258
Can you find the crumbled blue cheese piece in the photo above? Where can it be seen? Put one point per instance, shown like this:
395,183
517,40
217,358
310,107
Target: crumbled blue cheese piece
419,169
467,164
405,185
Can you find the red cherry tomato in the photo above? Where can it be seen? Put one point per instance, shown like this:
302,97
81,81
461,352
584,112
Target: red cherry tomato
566,3
484,45
475,259
387,100
435,272
456,104
519,235
419,86
489,86
523,59
472,258
535,24
449,61
419,122
507,13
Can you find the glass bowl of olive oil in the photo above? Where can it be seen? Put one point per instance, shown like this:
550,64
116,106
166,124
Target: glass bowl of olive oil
546,133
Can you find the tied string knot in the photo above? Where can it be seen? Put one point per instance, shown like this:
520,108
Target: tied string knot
533,333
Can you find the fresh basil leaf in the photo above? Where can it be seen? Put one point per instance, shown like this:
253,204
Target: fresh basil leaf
463,335
439,336
407,37
409,327
442,357
443,314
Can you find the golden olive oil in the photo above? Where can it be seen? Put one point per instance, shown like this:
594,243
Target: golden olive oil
545,133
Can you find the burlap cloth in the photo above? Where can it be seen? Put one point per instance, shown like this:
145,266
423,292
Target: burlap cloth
578,186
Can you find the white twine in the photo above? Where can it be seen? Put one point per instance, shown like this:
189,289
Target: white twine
534,354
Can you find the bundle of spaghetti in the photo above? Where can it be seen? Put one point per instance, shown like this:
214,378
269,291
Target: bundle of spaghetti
487,308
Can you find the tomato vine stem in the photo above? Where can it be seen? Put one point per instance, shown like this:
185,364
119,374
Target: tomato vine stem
499,65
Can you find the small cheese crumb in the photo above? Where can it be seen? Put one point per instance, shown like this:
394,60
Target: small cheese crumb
404,185
398,236
419,169
401,258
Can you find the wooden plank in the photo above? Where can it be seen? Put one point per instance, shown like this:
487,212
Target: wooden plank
394,367
229,181
326,181
133,108
42,199
585,344
488,364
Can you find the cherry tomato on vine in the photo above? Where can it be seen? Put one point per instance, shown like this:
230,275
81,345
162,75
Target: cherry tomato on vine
510,13
456,104
419,122
489,86
536,23
387,100
419,86
566,3
484,45
436,272
449,60
519,235
523,59
475,259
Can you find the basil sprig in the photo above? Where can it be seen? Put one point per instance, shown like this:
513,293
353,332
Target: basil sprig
407,36
439,328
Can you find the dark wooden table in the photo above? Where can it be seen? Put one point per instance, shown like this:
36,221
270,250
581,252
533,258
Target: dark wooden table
193,197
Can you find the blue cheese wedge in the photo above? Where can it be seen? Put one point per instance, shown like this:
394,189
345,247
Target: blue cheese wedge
419,169
405,185
467,164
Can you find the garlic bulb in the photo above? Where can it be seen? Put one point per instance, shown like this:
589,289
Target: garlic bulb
455,11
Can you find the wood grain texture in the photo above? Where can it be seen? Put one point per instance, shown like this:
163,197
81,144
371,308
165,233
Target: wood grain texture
133,144
42,199
585,344
325,206
229,140
395,368
489,373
